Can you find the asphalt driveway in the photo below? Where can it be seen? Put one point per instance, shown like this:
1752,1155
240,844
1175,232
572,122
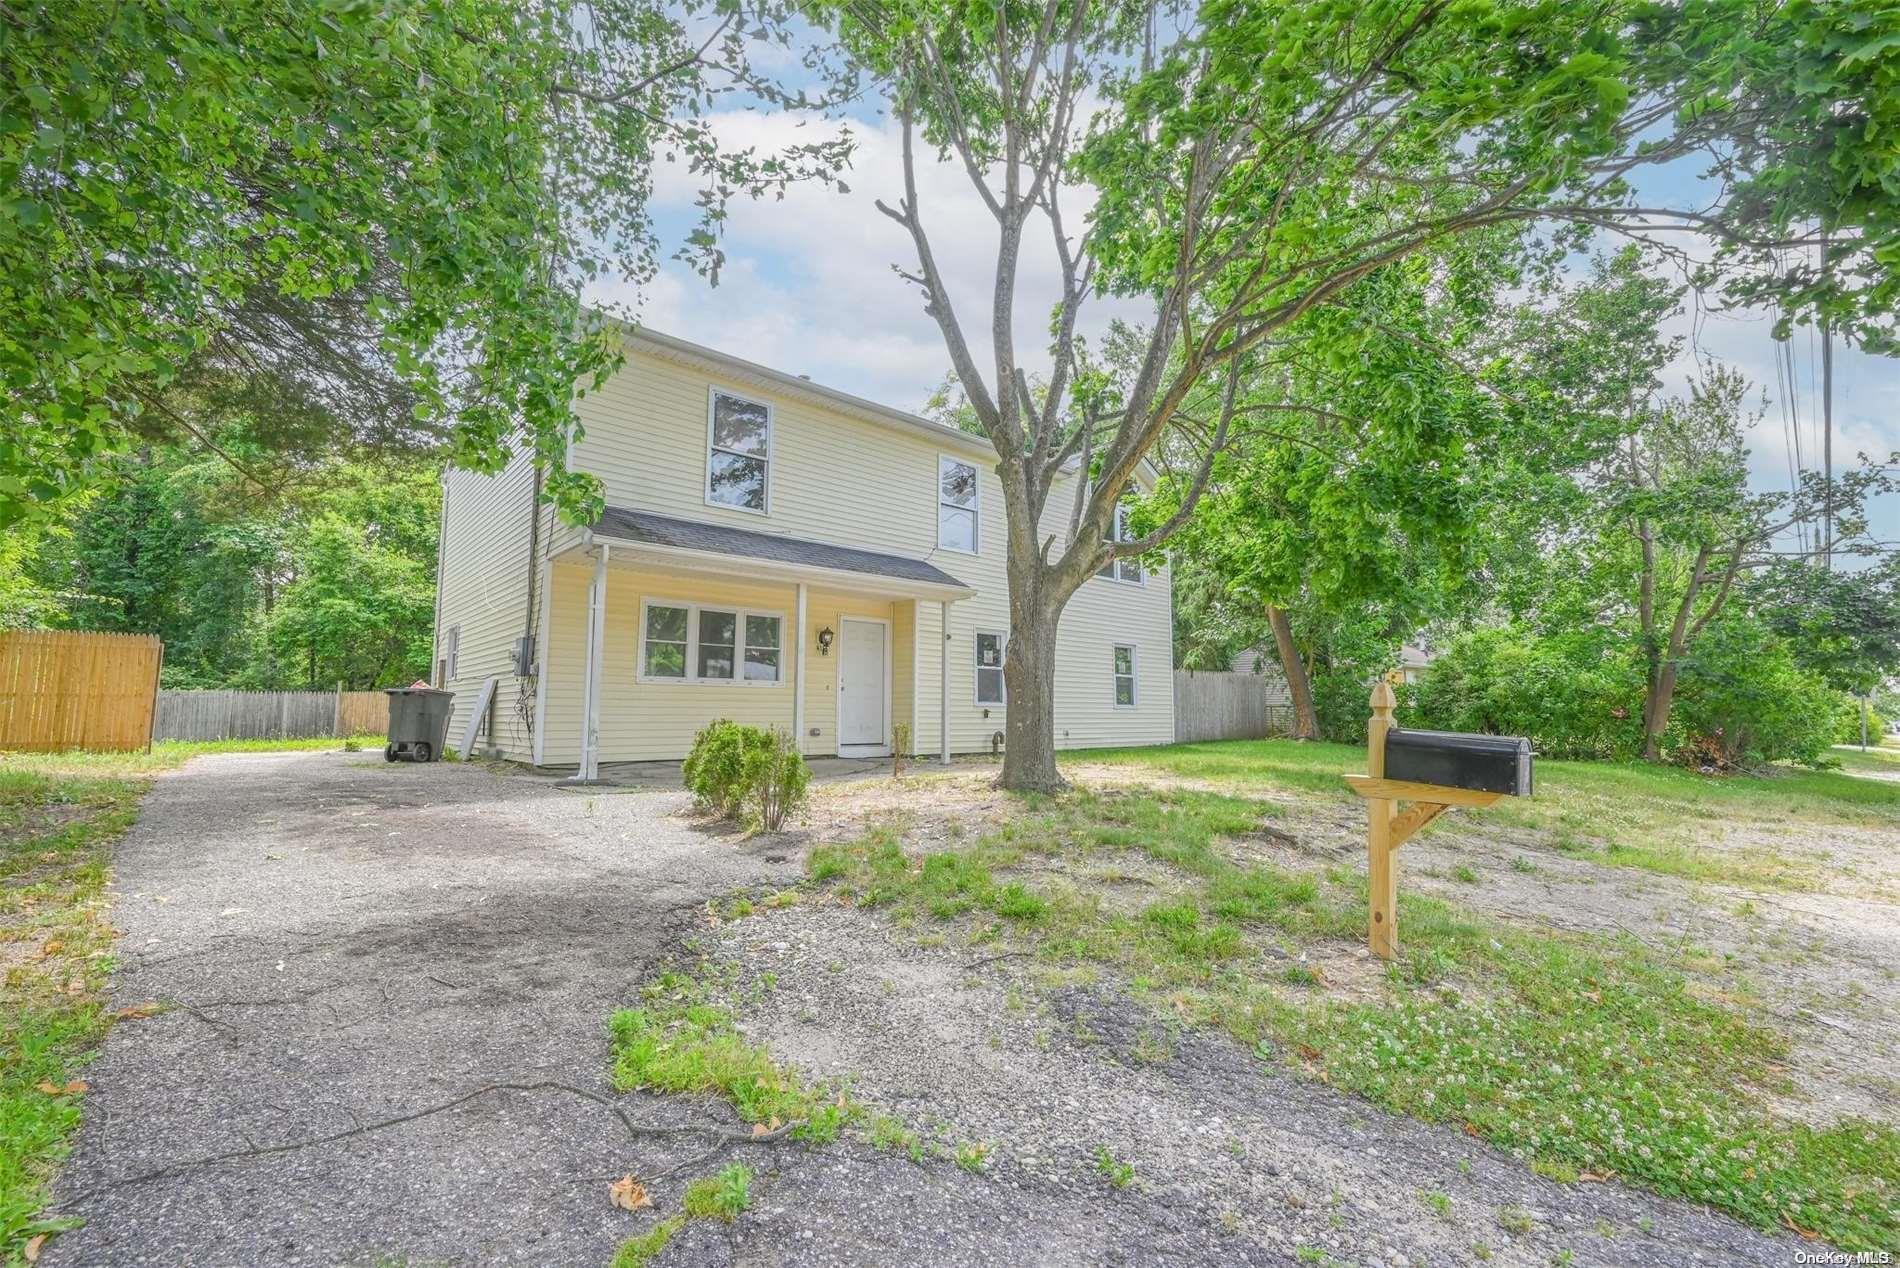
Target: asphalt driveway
345,942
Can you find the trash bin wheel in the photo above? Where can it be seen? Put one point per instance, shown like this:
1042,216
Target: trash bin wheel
420,751
389,752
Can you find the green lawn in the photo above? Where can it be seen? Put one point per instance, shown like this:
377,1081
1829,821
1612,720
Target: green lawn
1581,1055
1627,814
59,814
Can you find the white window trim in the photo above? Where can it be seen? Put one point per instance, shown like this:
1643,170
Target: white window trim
1121,513
692,678
713,393
1134,677
976,667
452,649
975,509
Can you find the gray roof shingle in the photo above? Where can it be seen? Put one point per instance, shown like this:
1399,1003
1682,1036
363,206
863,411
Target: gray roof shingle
664,530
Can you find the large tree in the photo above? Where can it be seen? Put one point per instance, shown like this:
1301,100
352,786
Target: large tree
1250,163
388,207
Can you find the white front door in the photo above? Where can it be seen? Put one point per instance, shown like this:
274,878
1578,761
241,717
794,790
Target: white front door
863,688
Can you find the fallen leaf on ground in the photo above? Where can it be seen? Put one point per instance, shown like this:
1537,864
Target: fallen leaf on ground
628,1193
52,947
150,1008
73,1088
35,1244
1596,1177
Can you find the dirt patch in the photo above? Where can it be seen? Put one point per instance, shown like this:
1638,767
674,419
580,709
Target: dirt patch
1823,964
1233,1160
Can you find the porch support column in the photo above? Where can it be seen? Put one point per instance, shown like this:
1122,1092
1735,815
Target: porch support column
943,688
798,674
596,653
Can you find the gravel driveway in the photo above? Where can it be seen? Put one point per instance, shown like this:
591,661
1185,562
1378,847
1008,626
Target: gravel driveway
348,944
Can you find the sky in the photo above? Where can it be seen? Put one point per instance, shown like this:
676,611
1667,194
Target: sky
809,288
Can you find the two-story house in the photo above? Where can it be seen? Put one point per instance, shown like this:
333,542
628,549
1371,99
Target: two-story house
774,552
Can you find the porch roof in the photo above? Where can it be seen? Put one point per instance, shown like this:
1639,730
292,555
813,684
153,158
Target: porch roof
682,541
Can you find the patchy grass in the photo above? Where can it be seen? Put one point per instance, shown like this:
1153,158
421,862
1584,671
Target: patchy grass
1577,1054
682,1040
716,1197
1624,814
59,814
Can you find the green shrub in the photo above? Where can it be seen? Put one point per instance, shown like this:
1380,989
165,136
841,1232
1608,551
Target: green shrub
747,772
1741,699
1578,694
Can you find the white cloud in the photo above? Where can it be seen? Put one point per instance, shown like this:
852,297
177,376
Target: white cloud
808,286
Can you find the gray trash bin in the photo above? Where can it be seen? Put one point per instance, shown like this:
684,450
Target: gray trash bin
418,723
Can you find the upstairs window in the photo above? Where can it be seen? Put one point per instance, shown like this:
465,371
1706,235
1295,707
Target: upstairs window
956,505
739,453
989,669
1122,569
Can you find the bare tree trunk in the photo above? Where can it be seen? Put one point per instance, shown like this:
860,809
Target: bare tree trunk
1029,671
1298,685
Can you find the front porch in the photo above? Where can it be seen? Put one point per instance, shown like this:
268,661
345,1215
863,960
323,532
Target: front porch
655,631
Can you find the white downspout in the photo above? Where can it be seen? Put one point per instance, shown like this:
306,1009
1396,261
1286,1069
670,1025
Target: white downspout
596,654
943,688
798,675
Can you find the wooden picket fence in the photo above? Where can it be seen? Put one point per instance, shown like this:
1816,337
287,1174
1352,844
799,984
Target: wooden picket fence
77,689
269,715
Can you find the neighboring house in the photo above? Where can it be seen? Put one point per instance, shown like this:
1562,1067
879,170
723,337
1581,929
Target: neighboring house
774,552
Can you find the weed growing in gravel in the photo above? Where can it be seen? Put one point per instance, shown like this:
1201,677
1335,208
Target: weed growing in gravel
1438,1203
680,1040
715,1197
1516,1221
1119,1174
720,1197
1581,1055
638,1252
973,1156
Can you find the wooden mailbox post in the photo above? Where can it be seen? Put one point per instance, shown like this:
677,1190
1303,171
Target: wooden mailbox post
1481,768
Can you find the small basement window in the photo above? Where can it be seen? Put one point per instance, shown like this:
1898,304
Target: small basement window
990,688
1124,676
738,452
956,505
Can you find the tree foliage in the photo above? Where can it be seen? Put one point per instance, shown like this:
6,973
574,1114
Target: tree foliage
389,205
1252,165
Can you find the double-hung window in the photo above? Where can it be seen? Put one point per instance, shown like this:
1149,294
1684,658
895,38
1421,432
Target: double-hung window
989,669
738,453
1122,569
956,505
682,642
1124,663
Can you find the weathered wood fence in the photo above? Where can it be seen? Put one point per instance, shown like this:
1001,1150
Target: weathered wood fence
76,689
1228,706
269,715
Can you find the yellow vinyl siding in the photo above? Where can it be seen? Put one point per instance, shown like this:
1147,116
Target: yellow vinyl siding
851,480
650,720
483,590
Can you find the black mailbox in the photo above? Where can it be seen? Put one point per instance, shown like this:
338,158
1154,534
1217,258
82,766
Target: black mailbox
1454,759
